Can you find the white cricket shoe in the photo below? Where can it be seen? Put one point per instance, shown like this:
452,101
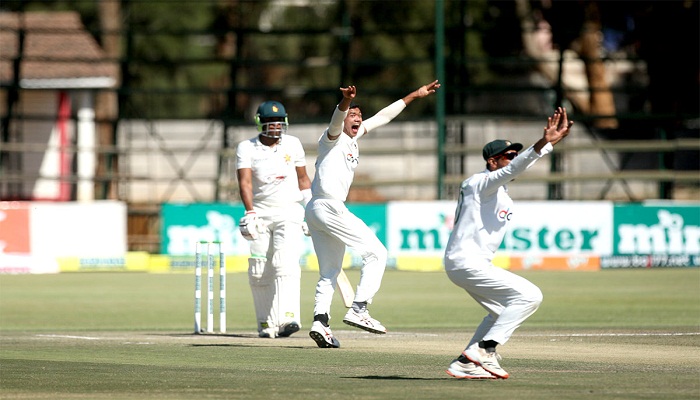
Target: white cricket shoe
287,328
469,370
364,321
323,336
487,360
268,333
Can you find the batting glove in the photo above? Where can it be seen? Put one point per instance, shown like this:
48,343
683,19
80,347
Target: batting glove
250,225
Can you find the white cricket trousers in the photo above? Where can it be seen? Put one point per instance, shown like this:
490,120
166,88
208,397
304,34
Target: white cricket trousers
333,228
276,282
509,299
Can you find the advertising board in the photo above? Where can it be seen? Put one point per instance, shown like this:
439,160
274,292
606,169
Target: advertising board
548,235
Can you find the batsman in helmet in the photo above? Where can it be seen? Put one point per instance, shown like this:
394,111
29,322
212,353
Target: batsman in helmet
274,188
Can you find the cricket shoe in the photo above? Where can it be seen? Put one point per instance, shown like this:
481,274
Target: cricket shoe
364,321
468,370
268,333
488,360
287,328
323,336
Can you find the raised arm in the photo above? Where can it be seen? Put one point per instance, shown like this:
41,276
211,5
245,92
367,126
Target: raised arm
349,94
336,127
422,91
557,128
388,113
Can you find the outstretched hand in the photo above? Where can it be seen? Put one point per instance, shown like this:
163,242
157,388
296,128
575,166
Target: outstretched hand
427,89
421,92
349,92
558,126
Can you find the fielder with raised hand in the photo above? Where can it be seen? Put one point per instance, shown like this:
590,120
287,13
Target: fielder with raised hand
333,227
483,211
274,189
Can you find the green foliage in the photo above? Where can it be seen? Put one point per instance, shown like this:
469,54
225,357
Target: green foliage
216,58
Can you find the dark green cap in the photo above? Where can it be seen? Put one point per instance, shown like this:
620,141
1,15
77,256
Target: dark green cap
499,147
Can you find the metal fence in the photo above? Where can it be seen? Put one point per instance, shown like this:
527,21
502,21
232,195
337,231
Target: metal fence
164,126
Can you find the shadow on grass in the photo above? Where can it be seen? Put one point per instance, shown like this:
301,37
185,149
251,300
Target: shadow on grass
222,335
251,346
393,378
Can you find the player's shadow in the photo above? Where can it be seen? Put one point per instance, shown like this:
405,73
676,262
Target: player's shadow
213,335
392,378
252,346
281,344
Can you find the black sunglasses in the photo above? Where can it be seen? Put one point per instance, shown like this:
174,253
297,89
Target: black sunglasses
509,156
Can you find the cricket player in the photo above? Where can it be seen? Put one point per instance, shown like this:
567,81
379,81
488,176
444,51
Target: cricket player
333,227
483,211
274,189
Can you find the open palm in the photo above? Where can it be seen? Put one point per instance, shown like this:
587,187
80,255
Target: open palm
558,126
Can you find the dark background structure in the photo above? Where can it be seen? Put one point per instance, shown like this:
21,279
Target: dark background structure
217,59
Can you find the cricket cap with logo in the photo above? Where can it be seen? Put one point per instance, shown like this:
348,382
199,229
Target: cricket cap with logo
499,146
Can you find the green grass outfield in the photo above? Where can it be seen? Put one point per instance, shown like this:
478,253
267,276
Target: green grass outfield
619,334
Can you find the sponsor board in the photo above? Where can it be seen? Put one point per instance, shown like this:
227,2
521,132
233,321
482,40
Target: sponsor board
649,261
562,235
555,263
655,235
34,236
563,228
419,229
132,261
183,225
657,229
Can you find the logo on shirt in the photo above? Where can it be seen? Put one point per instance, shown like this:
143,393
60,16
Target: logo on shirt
504,215
287,158
352,159
274,179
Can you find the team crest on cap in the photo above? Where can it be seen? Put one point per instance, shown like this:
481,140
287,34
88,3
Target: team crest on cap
508,143
275,108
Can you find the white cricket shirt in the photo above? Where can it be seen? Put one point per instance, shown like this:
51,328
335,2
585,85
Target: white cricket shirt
337,160
275,179
483,211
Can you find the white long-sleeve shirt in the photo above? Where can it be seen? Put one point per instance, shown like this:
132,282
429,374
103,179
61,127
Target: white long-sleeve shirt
337,159
483,211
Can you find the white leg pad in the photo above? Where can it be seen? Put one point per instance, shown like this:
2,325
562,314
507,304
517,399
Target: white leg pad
262,286
288,287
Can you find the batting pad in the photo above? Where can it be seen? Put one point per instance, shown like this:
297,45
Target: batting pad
287,306
287,286
262,287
